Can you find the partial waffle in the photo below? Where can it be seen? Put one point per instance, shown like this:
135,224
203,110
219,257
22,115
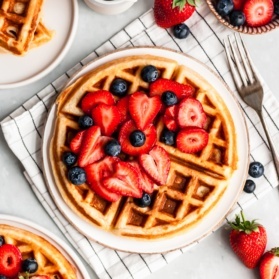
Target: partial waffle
18,22
42,35
50,261
196,182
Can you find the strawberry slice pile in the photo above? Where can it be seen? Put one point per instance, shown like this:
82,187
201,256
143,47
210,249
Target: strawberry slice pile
129,121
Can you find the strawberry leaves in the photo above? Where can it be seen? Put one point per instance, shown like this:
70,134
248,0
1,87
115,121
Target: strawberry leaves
181,3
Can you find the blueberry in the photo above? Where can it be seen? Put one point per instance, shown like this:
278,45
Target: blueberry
144,201
113,148
224,7
29,265
85,121
276,7
137,138
167,137
119,87
237,18
249,186
169,98
256,169
149,73
3,277
181,31
69,158
77,175
2,241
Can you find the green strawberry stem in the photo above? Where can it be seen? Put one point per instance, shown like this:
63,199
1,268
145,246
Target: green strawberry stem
243,225
275,251
181,3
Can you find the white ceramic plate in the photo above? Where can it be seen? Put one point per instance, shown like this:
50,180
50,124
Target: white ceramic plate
61,16
53,239
214,217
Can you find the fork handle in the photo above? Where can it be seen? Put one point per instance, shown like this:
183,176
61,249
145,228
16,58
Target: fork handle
271,145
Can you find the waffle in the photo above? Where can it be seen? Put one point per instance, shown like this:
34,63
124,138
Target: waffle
50,261
196,182
18,23
42,35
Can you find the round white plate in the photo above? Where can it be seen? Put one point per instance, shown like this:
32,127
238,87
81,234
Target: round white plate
67,252
213,218
61,16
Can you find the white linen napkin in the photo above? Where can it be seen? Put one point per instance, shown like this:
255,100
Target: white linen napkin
24,127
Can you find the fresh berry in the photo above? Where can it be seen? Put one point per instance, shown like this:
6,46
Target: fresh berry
170,117
144,201
124,181
91,99
69,158
98,171
3,277
224,7
276,7
29,265
2,241
169,98
85,121
149,73
248,240
249,186
10,260
76,175
167,137
124,138
191,139
168,13
144,109
238,4
137,138
161,85
258,12
112,148
119,87
269,264
190,113
181,31
75,143
256,169
156,164
107,117
122,106
237,18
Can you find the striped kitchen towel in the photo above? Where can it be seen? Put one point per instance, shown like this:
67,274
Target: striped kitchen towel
23,131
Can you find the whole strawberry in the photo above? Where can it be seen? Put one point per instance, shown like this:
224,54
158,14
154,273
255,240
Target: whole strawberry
171,12
269,264
248,240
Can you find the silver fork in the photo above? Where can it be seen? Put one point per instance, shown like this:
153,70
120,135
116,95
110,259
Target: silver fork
248,84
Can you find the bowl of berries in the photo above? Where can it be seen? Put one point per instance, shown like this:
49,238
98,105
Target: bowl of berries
247,16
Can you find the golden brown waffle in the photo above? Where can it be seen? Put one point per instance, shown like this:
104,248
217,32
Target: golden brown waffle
18,22
42,35
196,181
50,261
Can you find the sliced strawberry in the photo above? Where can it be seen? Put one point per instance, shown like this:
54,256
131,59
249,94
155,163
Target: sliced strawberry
124,138
107,117
269,264
156,164
190,113
10,260
98,171
143,109
258,12
145,182
122,105
124,181
161,85
88,144
75,143
170,118
91,99
238,4
191,139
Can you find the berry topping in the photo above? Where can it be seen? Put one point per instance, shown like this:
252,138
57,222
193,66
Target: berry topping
237,18
181,31
85,121
256,169
2,241
224,7
69,158
191,139
29,265
167,137
143,109
75,143
3,277
170,117
238,4
122,106
10,260
276,7
112,148
144,201
149,73
137,138
269,264
249,186
119,87
169,98
76,175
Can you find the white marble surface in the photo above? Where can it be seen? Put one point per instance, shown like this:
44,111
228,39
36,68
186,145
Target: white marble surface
212,258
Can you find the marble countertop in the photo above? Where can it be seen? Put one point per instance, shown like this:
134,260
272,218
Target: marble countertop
212,258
